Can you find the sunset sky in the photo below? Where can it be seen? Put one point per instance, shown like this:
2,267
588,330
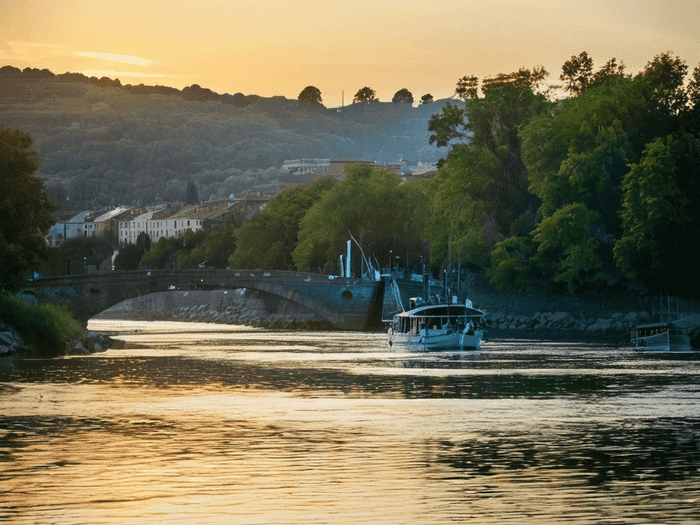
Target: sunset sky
277,47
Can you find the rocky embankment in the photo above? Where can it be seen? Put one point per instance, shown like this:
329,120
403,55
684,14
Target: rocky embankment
13,346
241,307
609,327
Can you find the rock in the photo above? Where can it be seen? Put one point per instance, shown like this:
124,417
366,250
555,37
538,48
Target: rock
79,349
630,318
8,339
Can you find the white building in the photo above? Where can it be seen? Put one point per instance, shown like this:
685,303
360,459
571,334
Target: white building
156,228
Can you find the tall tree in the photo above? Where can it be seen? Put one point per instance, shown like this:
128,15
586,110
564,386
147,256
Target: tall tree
268,239
310,96
371,205
191,193
365,95
660,216
578,74
26,213
403,96
481,191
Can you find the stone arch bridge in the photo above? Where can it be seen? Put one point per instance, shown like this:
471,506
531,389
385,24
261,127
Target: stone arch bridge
347,303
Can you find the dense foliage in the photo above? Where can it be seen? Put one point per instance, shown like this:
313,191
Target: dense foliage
480,194
26,214
371,206
47,328
268,239
615,168
129,256
310,96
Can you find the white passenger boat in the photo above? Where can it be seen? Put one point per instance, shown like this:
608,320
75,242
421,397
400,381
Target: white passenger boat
438,327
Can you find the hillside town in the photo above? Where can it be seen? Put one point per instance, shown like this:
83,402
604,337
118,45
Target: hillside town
122,225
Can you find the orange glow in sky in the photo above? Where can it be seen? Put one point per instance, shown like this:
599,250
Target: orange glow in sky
277,47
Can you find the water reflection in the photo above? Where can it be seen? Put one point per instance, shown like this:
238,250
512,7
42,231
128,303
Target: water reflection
248,426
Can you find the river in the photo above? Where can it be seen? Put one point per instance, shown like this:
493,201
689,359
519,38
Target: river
200,423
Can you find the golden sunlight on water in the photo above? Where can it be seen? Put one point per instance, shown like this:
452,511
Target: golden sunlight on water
208,424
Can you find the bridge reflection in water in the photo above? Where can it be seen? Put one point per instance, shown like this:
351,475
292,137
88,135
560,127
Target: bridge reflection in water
346,303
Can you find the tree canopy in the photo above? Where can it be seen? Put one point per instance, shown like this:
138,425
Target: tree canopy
403,96
611,166
371,205
26,213
365,95
480,194
268,239
310,96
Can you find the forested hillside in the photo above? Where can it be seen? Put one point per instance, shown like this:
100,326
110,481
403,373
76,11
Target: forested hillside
100,141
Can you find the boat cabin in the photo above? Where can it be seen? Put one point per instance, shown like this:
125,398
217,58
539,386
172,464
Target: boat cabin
442,317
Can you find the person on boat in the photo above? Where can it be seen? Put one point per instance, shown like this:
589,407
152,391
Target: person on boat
470,328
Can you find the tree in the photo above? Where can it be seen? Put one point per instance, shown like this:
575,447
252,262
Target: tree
214,250
426,99
577,73
129,256
660,215
371,205
365,96
26,213
162,254
667,75
310,96
403,96
268,239
191,193
481,193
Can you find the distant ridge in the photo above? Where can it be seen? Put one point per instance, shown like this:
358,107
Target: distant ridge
101,142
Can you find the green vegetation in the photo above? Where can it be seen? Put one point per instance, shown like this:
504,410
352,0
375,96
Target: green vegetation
480,194
403,96
26,214
48,328
310,96
615,169
371,205
212,249
268,240
365,95
129,257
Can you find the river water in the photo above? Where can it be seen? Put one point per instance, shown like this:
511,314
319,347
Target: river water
196,423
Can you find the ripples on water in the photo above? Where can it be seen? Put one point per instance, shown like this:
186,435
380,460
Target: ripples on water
219,424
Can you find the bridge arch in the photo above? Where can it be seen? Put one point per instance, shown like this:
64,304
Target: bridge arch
345,303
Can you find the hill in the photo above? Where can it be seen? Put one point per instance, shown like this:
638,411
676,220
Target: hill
106,143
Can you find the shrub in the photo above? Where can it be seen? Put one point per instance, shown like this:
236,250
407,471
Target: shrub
47,328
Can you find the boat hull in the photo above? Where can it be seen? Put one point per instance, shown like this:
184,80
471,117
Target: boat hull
662,341
438,340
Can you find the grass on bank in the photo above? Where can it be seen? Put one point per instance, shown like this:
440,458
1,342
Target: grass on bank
47,327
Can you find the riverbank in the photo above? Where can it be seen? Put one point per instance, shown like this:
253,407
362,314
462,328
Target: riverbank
253,308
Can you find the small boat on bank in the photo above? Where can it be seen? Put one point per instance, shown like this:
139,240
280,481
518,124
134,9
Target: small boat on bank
438,327
666,334
660,336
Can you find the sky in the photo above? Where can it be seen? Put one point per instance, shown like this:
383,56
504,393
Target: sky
278,47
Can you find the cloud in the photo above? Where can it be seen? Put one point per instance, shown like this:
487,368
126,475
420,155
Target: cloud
109,57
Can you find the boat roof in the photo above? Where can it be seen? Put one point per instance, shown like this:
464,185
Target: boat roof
442,310
654,325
